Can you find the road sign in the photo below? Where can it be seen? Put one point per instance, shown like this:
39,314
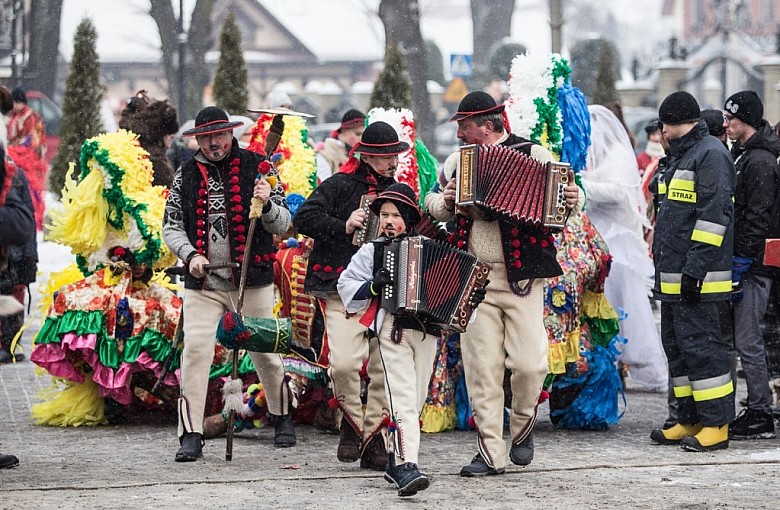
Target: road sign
461,66
456,91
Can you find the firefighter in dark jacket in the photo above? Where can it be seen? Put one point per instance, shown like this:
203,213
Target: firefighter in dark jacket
330,216
694,235
756,210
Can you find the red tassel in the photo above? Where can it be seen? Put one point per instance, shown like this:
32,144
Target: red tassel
333,403
472,422
507,127
543,396
386,421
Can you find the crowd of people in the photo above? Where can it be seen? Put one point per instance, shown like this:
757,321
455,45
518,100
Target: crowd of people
685,224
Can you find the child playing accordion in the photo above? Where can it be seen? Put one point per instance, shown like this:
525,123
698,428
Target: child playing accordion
407,344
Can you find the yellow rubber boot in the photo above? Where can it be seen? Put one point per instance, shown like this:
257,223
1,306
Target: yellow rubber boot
708,439
675,434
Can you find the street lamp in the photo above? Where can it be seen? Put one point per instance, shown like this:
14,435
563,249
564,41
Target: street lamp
182,40
14,20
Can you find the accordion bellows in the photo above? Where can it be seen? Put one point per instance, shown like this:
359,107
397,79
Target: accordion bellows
508,182
433,281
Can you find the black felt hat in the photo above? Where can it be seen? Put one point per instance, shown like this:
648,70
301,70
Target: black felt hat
476,103
747,107
211,120
402,195
380,139
18,95
679,108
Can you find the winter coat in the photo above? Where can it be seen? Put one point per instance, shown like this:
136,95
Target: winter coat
694,230
323,217
757,199
18,244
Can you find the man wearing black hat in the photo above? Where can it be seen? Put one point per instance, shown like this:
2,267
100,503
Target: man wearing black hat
509,329
330,216
692,248
756,210
335,149
206,222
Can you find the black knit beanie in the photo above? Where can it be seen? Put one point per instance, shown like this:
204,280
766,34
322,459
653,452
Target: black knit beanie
747,107
714,120
679,108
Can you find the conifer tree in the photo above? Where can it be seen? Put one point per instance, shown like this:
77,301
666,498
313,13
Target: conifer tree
606,77
81,104
393,88
230,81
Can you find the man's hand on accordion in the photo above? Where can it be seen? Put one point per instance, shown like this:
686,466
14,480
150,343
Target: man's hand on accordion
571,192
478,295
449,195
356,220
381,278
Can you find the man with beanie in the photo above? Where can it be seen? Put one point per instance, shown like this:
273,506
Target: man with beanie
756,210
335,149
692,250
508,331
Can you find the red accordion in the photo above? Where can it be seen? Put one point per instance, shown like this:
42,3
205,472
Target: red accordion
433,281
508,182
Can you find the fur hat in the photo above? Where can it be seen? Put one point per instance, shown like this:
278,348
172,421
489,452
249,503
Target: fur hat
476,103
380,139
402,195
679,108
747,107
211,120
151,120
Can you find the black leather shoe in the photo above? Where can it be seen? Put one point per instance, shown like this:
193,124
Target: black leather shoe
284,432
479,467
409,479
374,454
8,461
191,447
349,443
7,357
522,453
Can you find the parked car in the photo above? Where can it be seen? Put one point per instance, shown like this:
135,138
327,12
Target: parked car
636,119
446,135
52,119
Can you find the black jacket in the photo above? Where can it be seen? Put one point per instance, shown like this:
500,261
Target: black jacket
694,230
18,245
323,217
756,202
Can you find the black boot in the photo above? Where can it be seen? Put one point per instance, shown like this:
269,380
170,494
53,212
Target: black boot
390,472
349,443
374,455
284,432
522,453
191,447
8,461
410,480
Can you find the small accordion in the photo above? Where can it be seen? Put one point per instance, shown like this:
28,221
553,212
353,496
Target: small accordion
433,281
371,227
508,182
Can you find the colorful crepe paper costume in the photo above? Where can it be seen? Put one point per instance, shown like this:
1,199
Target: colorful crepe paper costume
581,324
115,315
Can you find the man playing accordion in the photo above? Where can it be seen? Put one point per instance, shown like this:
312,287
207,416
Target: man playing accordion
509,330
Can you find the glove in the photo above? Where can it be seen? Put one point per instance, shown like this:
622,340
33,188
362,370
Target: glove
739,266
690,289
478,295
381,278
